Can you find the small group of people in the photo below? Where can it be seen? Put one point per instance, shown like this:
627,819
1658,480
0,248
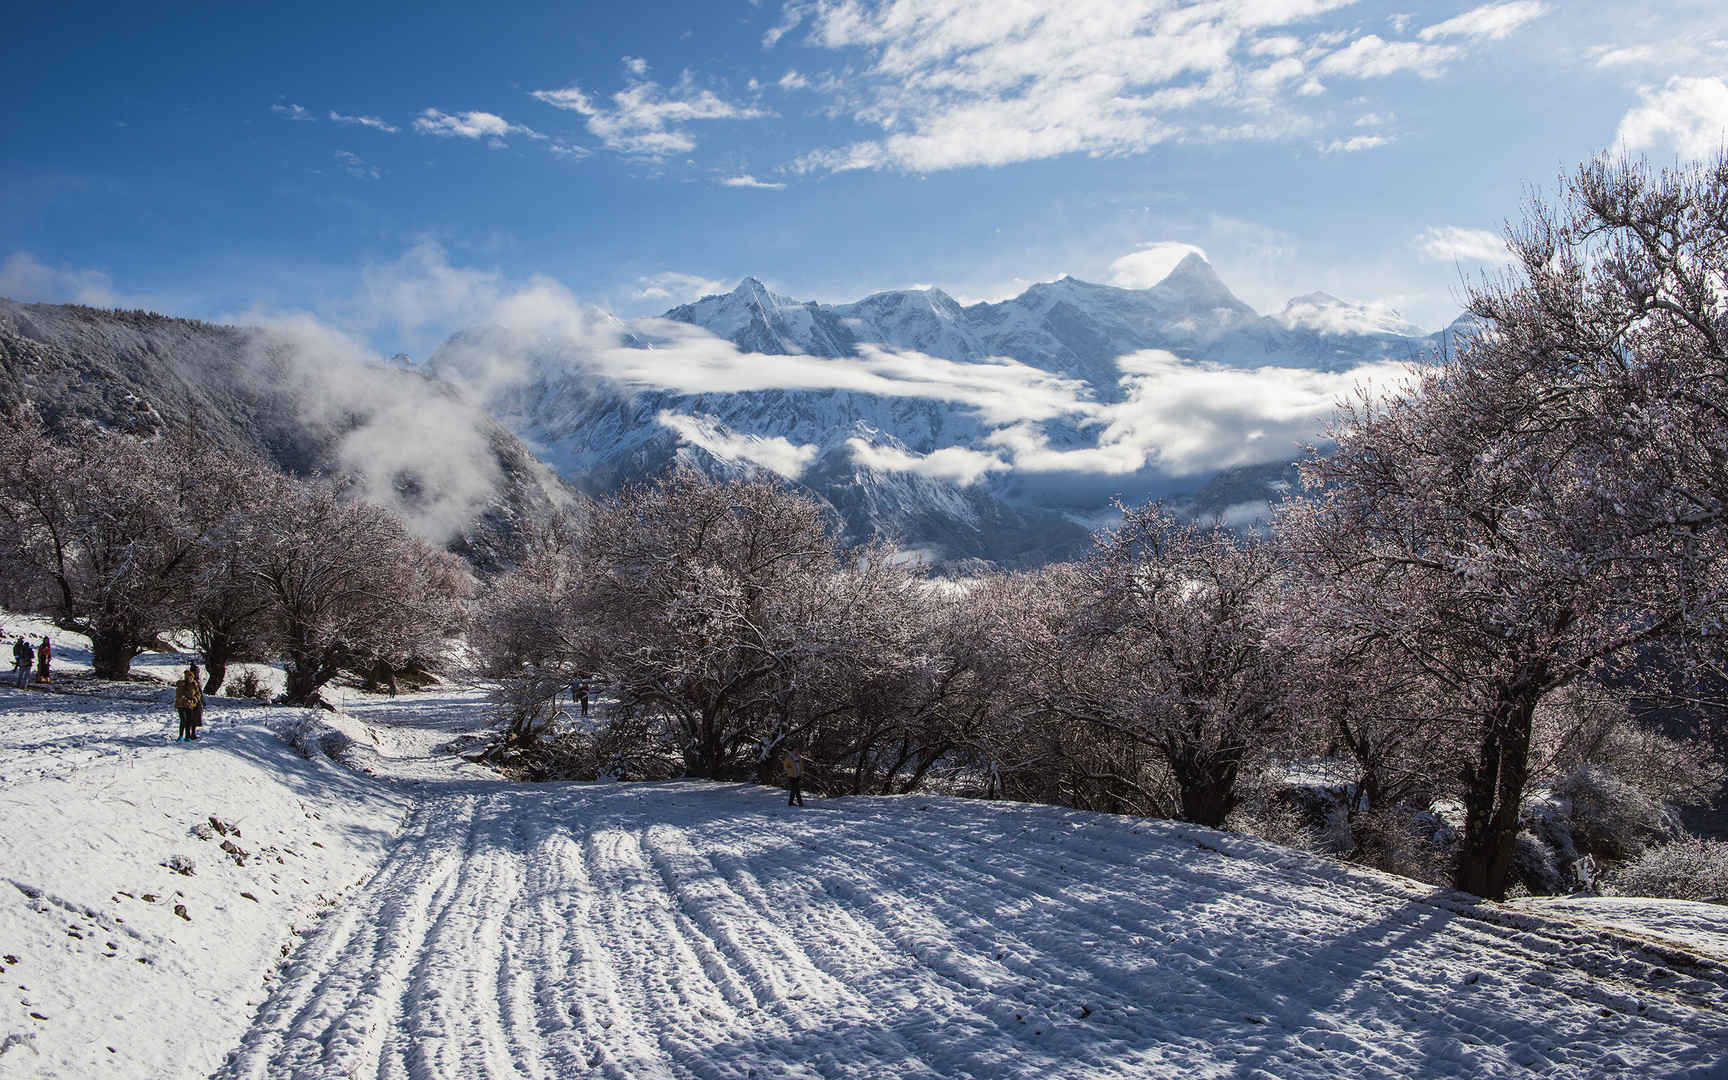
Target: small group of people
26,656
189,703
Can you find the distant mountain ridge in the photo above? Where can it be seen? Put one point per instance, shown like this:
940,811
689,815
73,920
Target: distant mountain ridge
934,472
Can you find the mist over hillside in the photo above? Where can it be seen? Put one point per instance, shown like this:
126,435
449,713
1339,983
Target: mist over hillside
298,396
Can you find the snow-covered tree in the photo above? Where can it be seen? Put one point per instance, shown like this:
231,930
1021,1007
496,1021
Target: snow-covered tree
113,525
344,585
1173,652
1549,500
694,603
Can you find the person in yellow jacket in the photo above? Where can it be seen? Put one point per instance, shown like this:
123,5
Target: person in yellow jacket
188,700
792,764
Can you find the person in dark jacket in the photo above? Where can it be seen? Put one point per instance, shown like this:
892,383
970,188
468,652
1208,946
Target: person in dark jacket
44,658
792,764
23,656
188,702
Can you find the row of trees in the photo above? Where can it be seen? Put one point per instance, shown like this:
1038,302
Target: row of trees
1541,510
128,539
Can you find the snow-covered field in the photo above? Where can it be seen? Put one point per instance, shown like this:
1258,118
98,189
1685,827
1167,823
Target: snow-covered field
485,929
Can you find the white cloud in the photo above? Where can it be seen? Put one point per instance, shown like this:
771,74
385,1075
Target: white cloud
292,112
1608,56
1492,21
745,180
1149,265
387,424
376,123
954,85
775,453
1689,113
646,118
24,277
469,125
792,80
957,464
1354,144
688,359
1454,243
1370,57
673,287
356,166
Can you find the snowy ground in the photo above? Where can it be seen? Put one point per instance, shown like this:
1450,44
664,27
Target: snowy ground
698,930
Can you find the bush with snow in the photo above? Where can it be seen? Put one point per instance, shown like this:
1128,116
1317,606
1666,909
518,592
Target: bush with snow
311,737
1608,817
247,684
1690,868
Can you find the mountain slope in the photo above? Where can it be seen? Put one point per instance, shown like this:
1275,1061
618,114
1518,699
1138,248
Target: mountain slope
306,407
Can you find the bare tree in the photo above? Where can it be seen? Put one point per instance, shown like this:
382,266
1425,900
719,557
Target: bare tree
343,585
113,524
692,604
1550,499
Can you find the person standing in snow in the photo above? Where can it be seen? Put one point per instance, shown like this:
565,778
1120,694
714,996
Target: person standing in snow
44,658
792,764
188,702
198,709
23,656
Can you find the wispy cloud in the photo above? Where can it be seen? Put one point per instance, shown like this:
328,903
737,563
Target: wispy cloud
645,118
745,180
953,86
356,166
1454,243
1492,21
958,464
1689,113
25,277
1354,144
292,112
1611,56
1149,265
674,287
470,125
373,122
775,453
1370,57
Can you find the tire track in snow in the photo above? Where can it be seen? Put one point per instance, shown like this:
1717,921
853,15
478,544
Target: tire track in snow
690,930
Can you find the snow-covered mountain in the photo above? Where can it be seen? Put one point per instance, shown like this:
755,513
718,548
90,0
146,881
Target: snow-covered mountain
996,431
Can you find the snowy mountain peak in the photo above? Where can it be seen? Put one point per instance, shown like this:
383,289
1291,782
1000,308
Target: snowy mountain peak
1194,284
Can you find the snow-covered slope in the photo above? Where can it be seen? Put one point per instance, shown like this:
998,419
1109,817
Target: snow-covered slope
693,929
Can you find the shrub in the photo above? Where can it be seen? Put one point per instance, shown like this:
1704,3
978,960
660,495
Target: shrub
1690,868
1610,819
247,684
311,737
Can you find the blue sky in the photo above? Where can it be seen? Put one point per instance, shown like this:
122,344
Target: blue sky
394,173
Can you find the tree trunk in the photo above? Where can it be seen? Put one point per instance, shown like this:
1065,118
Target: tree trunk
111,653
1206,789
218,650
1494,794
305,676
